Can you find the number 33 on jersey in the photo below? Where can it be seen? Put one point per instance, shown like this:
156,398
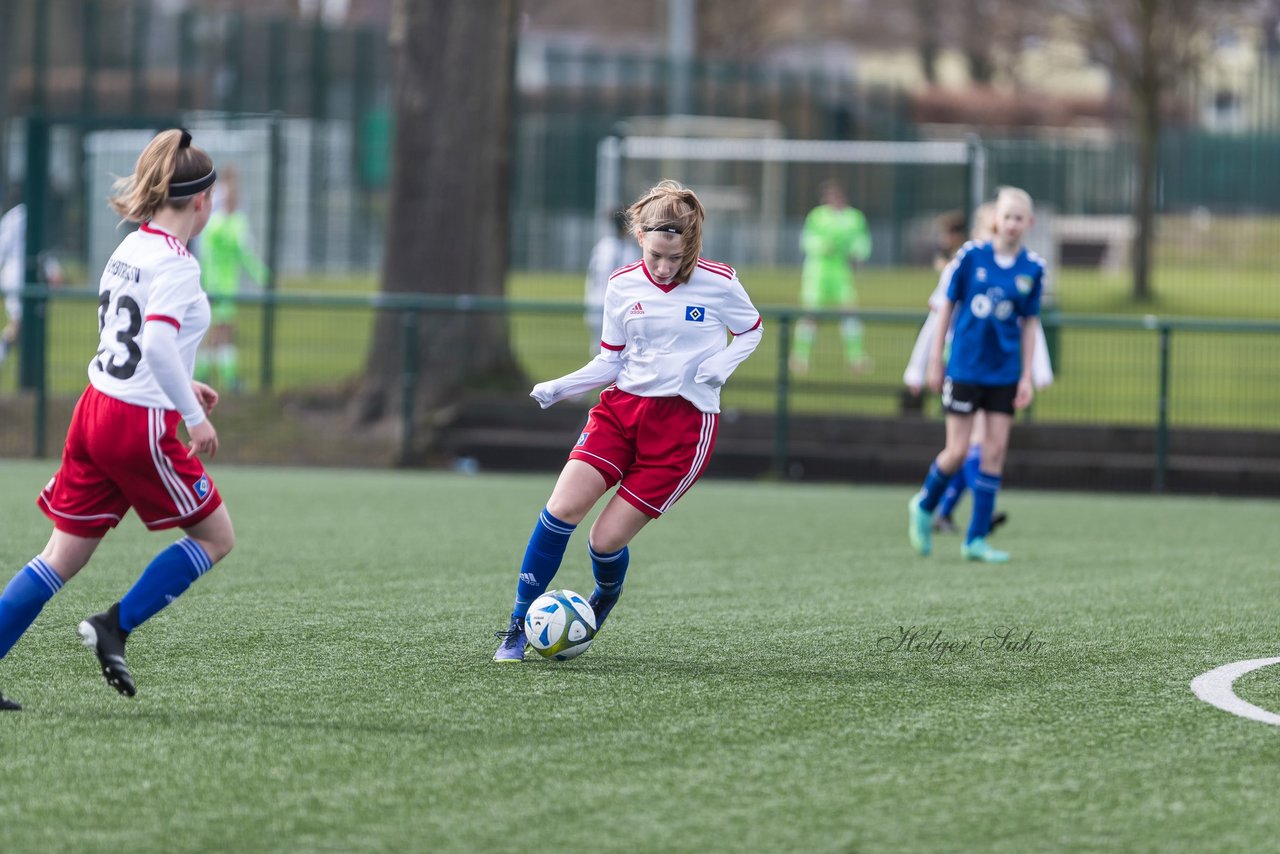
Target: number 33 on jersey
151,277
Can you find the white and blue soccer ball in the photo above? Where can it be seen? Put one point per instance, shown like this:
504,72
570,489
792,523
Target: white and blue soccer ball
560,625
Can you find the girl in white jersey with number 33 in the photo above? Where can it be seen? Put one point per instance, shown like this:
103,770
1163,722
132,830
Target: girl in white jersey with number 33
664,355
122,448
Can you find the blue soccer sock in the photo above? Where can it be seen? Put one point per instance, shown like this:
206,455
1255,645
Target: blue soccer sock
960,481
952,495
935,483
165,578
23,598
542,559
972,465
609,570
985,487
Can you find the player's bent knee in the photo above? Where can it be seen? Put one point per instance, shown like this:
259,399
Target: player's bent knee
951,459
215,534
217,548
569,512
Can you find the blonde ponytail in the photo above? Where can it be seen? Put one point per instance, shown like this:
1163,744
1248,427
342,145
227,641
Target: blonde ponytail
169,159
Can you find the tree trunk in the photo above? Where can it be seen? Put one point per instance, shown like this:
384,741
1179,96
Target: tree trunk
977,40
447,230
927,38
1146,91
1144,205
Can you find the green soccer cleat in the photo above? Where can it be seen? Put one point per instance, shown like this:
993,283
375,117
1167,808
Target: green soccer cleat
919,527
980,551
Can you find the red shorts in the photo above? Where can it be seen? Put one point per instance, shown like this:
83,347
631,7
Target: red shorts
119,455
655,447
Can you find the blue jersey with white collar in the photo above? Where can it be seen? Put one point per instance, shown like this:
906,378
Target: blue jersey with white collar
990,298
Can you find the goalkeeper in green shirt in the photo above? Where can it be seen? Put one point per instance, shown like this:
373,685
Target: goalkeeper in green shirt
225,250
834,238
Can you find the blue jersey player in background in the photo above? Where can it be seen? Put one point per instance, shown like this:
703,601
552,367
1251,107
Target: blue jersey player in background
994,298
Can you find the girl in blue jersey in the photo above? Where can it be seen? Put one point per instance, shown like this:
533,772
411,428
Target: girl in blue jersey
994,298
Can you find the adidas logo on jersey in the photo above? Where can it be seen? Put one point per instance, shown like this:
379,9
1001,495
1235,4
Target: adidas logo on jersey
637,309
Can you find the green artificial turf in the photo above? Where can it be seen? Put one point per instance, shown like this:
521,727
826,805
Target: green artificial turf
328,687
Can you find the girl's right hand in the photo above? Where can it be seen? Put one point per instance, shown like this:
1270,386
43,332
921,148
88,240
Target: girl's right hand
934,376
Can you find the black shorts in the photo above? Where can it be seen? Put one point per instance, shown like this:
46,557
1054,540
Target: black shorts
968,398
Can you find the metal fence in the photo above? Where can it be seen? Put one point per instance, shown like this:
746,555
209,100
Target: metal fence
1161,374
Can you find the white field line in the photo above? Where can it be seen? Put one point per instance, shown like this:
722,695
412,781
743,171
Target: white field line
1215,689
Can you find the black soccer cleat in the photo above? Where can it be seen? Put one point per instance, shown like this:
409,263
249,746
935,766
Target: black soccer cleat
996,521
102,634
7,705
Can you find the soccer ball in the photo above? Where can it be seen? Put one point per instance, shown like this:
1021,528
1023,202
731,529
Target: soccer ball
560,625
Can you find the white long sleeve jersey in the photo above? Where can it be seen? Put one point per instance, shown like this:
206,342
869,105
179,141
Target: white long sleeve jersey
664,333
151,277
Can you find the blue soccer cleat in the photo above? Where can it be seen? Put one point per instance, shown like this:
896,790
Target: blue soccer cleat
513,641
979,550
919,527
7,705
601,605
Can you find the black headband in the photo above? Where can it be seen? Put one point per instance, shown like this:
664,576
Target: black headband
669,228
185,189
191,188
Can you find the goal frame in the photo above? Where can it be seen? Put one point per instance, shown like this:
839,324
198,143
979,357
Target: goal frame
612,151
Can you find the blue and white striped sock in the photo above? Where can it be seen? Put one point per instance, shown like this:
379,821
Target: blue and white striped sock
542,559
609,570
169,574
23,598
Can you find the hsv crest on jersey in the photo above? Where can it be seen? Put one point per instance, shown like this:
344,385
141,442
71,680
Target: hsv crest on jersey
202,486
694,313
582,440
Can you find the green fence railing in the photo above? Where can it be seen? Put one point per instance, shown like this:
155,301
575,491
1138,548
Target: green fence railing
1156,373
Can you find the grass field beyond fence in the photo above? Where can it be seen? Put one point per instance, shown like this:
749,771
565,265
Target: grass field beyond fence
1105,375
329,688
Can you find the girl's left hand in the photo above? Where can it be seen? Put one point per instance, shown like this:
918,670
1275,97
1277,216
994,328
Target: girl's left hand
206,395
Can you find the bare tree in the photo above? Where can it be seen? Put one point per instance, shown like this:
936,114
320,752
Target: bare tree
1150,47
447,229
927,38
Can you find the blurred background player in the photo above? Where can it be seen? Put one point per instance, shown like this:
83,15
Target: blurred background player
664,357
993,293
13,247
122,448
834,239
612,251
226,249
952,238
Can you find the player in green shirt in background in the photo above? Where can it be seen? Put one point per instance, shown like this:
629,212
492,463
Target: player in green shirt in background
834,238
225,250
